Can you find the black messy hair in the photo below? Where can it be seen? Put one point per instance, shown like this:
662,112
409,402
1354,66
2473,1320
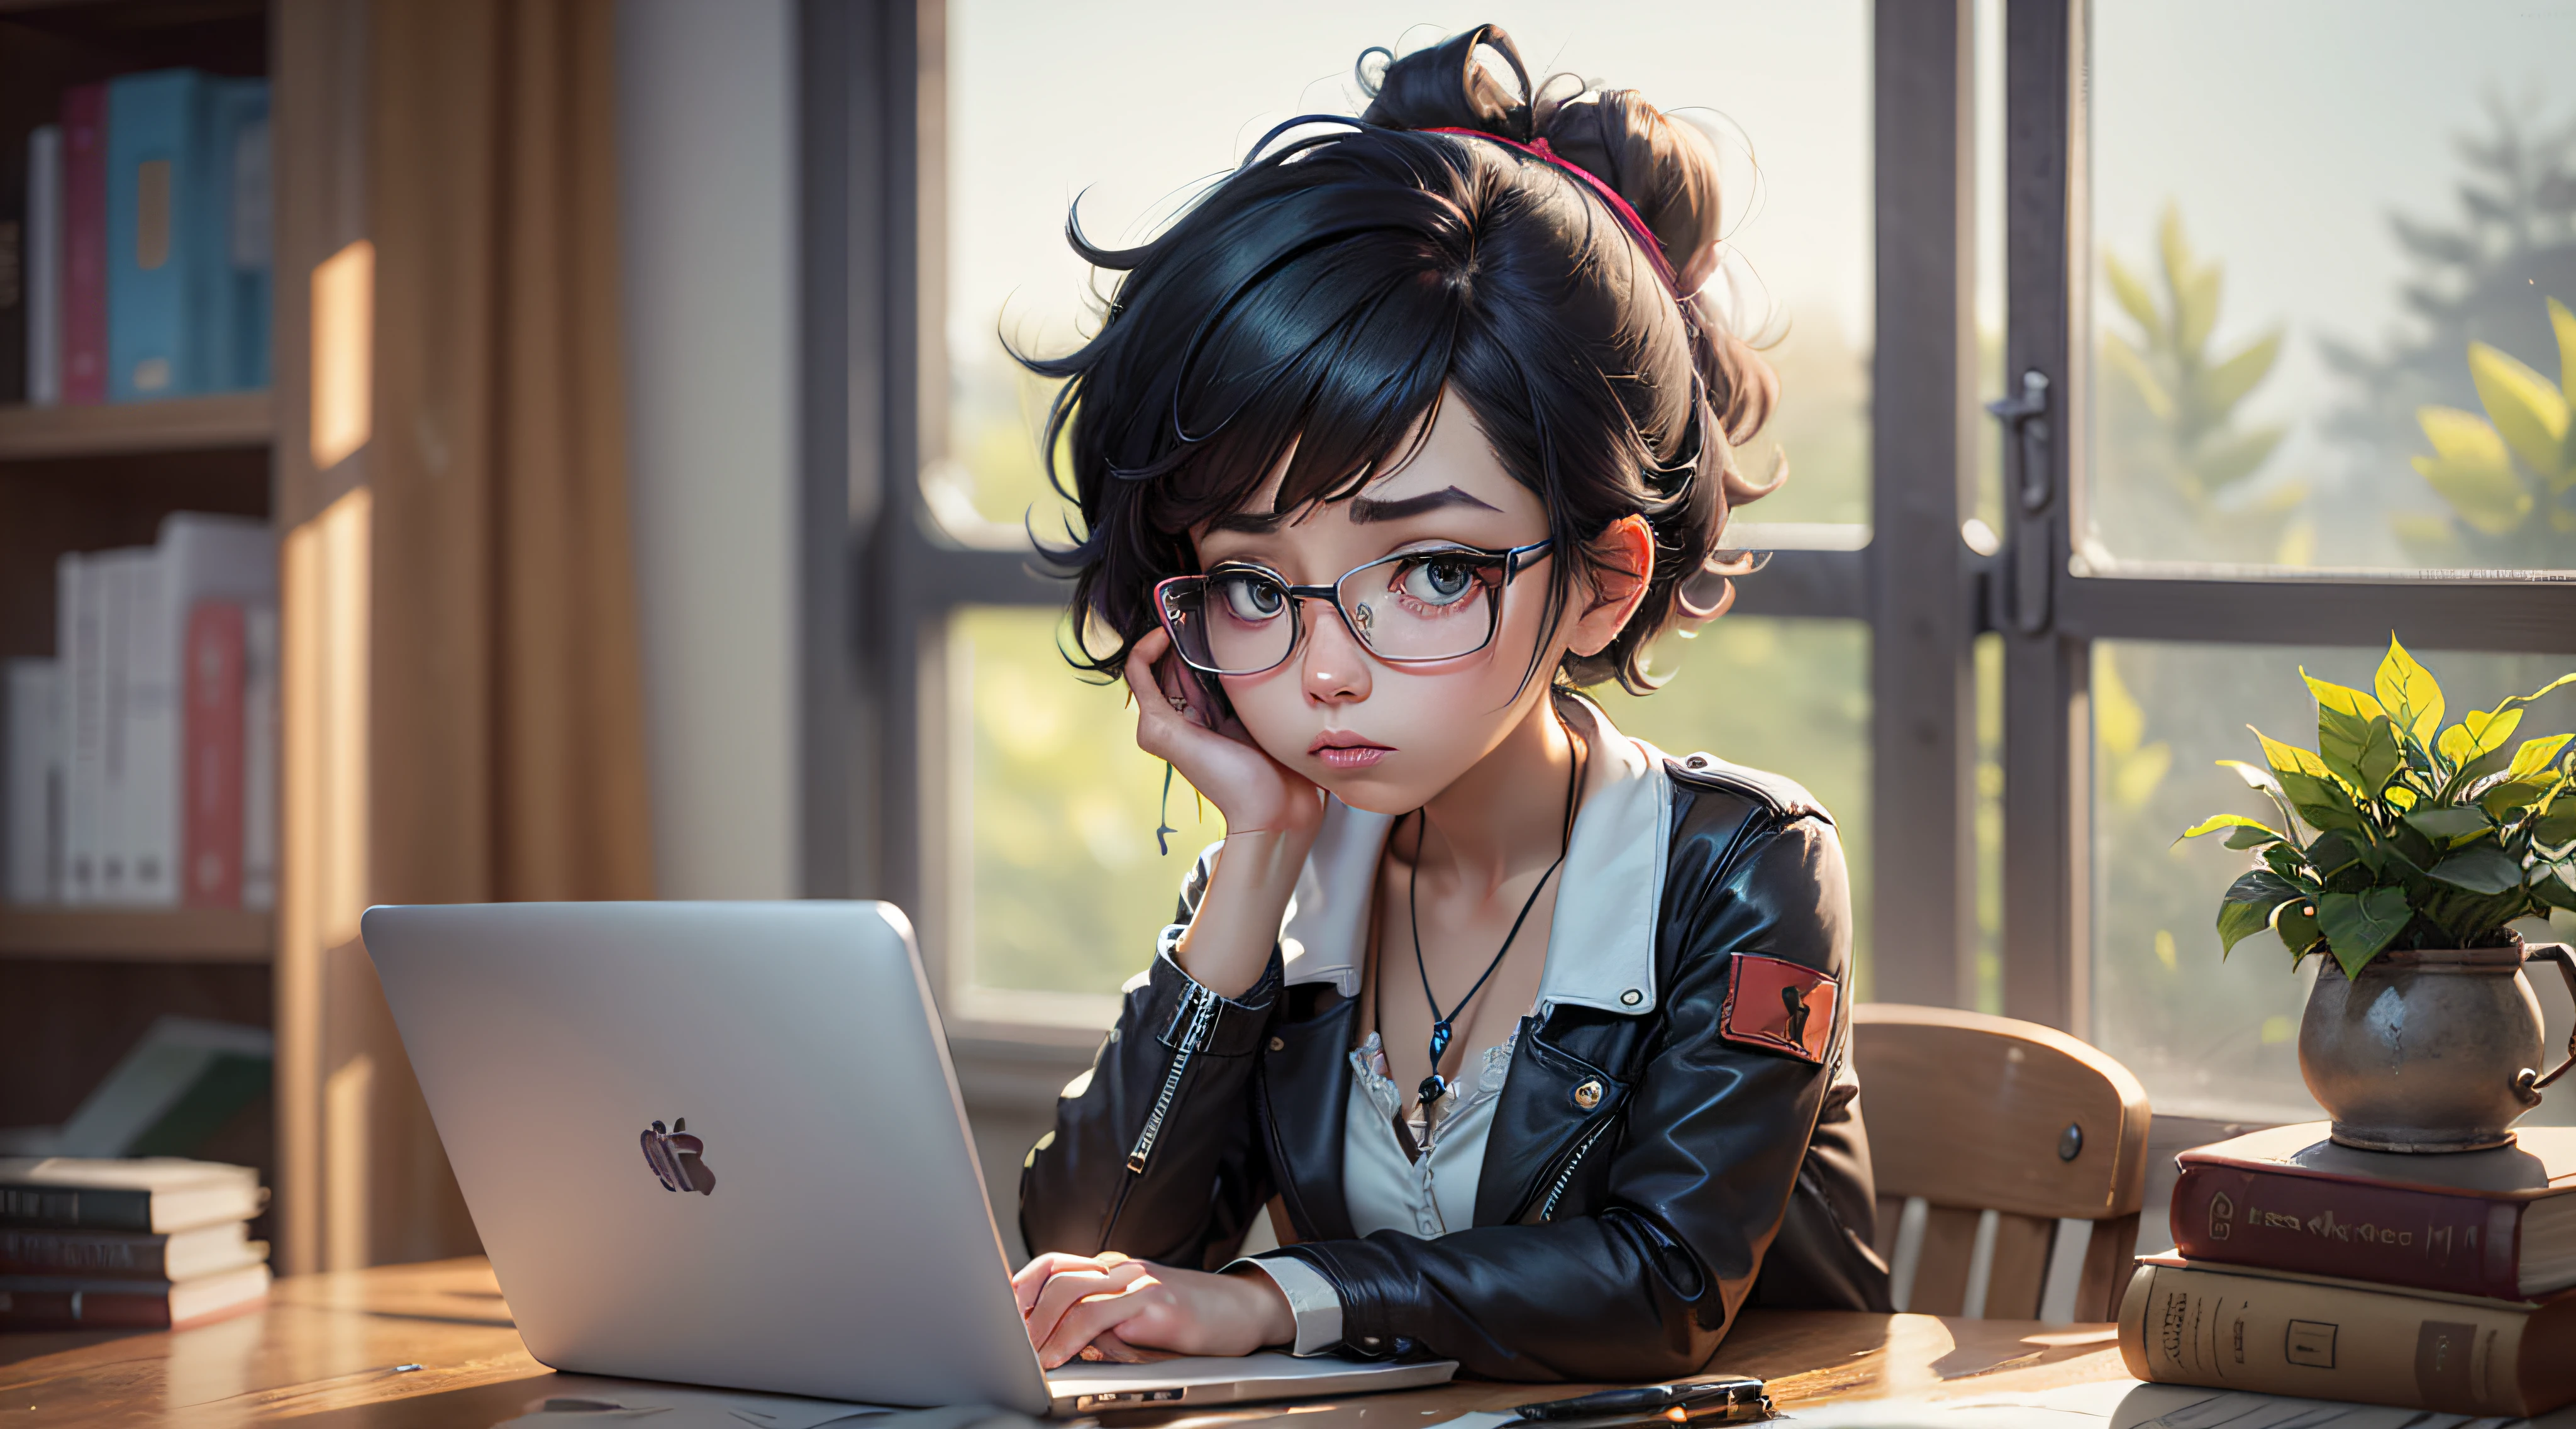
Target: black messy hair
1316,303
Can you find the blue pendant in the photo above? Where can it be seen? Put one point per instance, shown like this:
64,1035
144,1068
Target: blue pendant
1431,1088
1439,1041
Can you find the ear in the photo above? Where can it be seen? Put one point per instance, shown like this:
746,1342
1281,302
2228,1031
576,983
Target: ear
1624,565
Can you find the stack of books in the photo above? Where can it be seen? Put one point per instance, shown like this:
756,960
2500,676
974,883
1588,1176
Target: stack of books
141,761
2436,1282
139,227
155,1244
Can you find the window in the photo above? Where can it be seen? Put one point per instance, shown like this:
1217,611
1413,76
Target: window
2282,280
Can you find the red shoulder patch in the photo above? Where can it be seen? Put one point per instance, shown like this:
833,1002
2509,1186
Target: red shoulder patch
1778,1006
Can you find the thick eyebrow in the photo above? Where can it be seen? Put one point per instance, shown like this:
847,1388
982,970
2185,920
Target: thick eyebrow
1369,509
1252,523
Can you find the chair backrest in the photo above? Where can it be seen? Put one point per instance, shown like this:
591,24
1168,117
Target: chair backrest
2010,1158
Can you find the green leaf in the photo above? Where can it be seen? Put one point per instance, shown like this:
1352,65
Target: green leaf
2248,907
2336,850
2357,926
2448,821
2321,800
2471,471
2535,754
2231,381
2555,884
2289,758
2132,294
2232,459
2254,776
2215,822
2254,837
2342,699
2506,799
2564,323
2380,757
2124,359
2297,925
2480,868
2527,409
2558,825
2408,691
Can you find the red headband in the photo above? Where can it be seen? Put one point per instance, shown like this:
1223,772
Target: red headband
1636,226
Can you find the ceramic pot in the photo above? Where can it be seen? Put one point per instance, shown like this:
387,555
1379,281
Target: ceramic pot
2429,1050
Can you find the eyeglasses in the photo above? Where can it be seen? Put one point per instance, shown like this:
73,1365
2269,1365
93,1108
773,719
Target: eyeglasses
1438,604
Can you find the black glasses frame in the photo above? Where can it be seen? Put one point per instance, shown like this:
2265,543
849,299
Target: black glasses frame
1514,561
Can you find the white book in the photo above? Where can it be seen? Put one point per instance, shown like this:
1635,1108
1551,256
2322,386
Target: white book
31,781
43,272
259,757
76,643
198,557
114,576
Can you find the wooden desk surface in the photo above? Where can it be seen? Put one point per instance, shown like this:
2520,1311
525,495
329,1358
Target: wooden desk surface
432,1347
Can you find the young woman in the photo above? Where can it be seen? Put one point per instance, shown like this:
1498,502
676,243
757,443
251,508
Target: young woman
1530,1040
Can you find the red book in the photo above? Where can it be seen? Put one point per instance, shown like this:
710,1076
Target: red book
211,750
85,244
2499,1223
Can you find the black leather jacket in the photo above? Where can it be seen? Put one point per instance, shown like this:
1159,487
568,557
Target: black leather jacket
1645,1176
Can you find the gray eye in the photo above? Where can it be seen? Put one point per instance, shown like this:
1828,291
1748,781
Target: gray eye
1438,582
1249,597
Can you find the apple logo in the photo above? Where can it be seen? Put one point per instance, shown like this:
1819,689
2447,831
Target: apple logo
675,1157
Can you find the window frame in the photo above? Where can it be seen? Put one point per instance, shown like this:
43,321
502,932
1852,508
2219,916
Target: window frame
879,579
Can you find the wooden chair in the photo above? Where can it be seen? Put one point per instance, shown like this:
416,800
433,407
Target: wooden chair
2010,1160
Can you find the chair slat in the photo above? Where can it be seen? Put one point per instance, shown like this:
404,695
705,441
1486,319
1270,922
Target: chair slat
1941,1276
2018,1271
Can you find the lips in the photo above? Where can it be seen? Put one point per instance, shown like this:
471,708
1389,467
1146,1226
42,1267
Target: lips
1342,750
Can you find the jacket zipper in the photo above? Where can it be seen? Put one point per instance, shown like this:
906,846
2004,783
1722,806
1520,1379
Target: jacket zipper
1201,1015
1556,1192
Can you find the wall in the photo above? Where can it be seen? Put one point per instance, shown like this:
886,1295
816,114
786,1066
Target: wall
706,98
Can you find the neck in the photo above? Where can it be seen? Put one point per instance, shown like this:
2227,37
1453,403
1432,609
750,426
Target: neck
1506,815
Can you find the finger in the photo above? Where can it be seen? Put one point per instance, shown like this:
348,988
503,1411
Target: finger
1109,1347
1033,1276
1068,1289
1089,1320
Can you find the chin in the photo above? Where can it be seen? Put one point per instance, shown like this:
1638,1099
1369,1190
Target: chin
1370,791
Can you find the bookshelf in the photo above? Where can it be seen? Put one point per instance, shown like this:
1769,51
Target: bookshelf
80,985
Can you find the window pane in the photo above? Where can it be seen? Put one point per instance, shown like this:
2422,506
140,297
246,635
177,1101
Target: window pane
1789,696
2328,235
1137,103
2213,1037
1067,889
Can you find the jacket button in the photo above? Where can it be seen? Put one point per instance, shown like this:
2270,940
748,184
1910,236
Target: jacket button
1278,1044
1368,1342
1631,997
1696,761
1588,1095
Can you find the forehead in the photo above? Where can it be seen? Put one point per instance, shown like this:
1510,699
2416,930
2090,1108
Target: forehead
1454,470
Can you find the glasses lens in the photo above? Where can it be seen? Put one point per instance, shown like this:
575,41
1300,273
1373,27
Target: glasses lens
1431,606
1233,622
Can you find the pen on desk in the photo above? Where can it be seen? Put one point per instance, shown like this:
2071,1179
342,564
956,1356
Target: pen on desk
1734,1400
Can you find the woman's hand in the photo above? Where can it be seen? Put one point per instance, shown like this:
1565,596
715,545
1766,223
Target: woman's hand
1109,1303
1255,792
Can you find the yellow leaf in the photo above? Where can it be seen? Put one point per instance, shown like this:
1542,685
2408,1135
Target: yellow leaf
2526,408
2120,357
2290,759
2408,691
2454,743
2133,296
2342,699
2535,755
2564,323
2134,780
2488,732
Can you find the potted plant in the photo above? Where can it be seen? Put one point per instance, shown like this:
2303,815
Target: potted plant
2405,849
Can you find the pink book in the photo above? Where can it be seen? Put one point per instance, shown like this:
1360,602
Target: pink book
84,309
211,764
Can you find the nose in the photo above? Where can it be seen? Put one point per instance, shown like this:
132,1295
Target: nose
1334,666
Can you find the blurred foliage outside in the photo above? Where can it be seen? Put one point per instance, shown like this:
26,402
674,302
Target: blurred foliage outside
2213,1036
1068,890
2181,476
2508,474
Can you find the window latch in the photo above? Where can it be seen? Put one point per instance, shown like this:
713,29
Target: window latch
2026,431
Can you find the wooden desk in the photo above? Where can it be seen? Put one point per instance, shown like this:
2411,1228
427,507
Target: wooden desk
325,1352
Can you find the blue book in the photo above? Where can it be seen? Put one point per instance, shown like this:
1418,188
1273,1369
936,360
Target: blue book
164,268
241,216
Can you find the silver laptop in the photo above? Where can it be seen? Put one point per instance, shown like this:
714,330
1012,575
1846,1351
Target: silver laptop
721,1143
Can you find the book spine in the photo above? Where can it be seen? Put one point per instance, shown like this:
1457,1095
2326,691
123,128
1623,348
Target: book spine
54,1208
76,609
212,763
95,1253
240,238
114,591
2462,1244
84,339
153,729
14,199
84,1310
2180,1325
44,271
34,779
160,278
259,757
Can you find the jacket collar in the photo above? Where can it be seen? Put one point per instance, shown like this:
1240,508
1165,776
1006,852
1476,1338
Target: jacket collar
1601,942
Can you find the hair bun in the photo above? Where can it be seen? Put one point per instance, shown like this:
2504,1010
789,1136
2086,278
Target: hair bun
1444,87
1667,171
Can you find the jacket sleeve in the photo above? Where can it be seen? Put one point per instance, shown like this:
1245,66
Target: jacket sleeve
1152,1150
1715,1133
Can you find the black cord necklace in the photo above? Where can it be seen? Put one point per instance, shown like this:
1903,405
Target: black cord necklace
1435,1084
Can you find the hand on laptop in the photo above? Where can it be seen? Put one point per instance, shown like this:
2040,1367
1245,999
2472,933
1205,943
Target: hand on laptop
1116,1305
